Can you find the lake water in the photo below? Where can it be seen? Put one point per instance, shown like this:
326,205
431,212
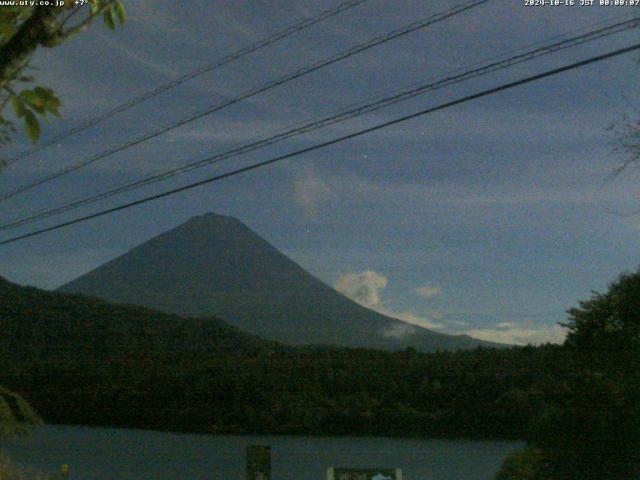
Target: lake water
119,454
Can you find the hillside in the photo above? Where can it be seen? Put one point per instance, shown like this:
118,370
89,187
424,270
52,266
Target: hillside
52,326
80,360
215,265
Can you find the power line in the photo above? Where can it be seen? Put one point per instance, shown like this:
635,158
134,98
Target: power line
412,27
337,140
265,42
340,117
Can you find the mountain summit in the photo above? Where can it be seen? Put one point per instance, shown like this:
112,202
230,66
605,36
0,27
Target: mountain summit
216,265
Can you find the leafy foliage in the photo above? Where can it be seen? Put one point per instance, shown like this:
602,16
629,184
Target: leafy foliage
607,326
84,361
11,18
30,103
80,360
23,29
16,415
592,428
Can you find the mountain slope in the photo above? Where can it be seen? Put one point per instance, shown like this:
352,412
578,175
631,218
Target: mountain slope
215,265
79,360
51,327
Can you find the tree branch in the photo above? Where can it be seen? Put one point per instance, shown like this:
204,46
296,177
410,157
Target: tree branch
86,23
35,31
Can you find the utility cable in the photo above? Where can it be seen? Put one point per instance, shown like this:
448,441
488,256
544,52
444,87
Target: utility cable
340,117
443,106
265,42
412,27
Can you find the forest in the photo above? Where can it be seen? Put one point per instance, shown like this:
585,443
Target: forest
84,361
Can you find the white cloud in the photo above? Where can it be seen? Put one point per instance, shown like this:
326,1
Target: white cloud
520,335
428,291
366,288
363,288
506,325
459,323
310,191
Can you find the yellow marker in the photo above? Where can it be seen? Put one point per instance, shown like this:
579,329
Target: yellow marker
64,469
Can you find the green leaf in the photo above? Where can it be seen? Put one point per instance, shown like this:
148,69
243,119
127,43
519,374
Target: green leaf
95,6
37,107
109,18
42,100
18,106
48,96
32,125
24,13
53,110
120,11
33,100
44,92
7,29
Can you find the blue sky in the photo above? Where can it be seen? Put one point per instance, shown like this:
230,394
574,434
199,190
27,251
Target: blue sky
491,218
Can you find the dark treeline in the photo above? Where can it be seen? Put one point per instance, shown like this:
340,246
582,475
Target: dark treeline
83,361
483,393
